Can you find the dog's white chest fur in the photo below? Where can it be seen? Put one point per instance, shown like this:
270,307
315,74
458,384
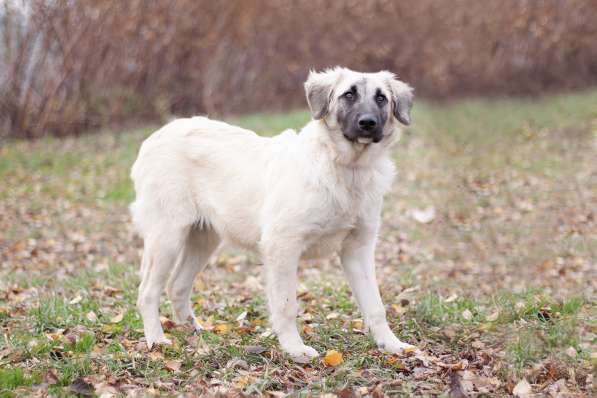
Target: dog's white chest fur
347,204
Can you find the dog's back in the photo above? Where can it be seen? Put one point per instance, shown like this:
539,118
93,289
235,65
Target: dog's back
184,167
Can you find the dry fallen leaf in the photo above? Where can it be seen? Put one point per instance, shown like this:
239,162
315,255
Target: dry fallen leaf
478,344
50,378
307,316
76,300
332,315
237,363
398,309
255,349
423,216
242,316
222,328
333,358
357,324
243,381
91,316
467,314
449,332
452,298
522,389
493,316
558,389
82,387
571,352
173,366
457,387
117,318
308,329
460,365
167,323
268,332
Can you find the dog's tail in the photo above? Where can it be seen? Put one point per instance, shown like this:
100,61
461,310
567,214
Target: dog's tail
133,209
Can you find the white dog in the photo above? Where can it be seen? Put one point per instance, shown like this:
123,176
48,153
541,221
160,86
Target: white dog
294,196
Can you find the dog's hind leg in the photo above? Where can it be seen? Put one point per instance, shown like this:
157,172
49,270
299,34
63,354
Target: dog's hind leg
199,246
161,251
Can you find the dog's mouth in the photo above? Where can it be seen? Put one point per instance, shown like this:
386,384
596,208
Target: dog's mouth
363,140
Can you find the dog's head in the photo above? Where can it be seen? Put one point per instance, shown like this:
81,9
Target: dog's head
363,106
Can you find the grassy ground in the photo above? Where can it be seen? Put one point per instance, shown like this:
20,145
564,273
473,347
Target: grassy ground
498,288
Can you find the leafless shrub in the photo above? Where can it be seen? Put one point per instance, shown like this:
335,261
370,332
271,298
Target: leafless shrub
72,65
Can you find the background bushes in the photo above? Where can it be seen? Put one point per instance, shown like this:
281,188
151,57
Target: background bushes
68,66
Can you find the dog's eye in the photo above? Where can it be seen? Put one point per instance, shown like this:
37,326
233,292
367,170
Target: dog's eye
349,95
380,99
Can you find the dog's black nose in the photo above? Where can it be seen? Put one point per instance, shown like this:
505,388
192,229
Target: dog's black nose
367,122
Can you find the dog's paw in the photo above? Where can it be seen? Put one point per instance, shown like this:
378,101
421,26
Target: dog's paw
395,346
158,339
196,325
301,354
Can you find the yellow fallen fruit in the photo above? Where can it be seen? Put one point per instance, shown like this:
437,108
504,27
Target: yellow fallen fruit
333,358
222,328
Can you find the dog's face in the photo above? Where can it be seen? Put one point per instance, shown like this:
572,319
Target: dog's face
361,105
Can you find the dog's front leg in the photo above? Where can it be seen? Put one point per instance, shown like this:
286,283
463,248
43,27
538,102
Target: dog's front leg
358,261
281,260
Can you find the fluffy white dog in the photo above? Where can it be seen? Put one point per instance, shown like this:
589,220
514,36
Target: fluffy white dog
293,196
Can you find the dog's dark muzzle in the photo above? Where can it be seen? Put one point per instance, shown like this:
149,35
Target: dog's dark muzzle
369,129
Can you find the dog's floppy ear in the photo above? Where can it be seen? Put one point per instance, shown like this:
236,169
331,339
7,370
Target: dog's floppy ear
319,88
402,99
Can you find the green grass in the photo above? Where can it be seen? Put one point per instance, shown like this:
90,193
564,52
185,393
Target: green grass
12,378
523,333
500,279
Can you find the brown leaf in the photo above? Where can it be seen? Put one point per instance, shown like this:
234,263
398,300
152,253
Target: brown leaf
456,390
478,344
117,318
81,387
346,393
50,378
571,352
111,291
167,323
493,316
454,366
449,332
377,392
173,366
522,389
308,329
237,363
255,349
91,316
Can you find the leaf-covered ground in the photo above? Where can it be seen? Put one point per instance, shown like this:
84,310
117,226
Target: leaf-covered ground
487,262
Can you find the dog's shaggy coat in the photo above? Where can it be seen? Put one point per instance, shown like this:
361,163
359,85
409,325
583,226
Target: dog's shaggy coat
199,182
